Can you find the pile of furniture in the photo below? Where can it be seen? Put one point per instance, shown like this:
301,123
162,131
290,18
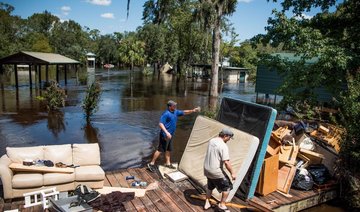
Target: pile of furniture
293,147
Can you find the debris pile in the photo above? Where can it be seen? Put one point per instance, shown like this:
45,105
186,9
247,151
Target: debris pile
299,155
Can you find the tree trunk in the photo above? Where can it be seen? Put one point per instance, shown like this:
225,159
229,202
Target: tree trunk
215,57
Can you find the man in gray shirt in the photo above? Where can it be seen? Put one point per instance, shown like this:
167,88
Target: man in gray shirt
217,156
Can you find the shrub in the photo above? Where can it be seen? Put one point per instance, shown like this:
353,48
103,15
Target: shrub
91,100
83,78
54,96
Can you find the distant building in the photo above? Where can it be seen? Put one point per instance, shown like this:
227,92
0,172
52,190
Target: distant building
226,73
268,81
90,60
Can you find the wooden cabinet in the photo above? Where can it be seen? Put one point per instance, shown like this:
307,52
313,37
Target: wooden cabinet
268,176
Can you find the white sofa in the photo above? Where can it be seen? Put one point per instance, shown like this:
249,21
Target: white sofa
86,156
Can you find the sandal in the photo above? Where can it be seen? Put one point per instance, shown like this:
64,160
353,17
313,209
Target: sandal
60,165
170,166
223,208
207,205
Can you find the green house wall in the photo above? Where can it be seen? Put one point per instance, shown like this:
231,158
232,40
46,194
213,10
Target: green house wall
268,81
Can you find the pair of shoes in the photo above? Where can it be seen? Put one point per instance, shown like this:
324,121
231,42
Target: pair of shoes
151,167
170,166
223,208
85,193
91,196
207,204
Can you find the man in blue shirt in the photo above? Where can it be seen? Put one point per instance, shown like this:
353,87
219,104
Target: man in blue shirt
167,126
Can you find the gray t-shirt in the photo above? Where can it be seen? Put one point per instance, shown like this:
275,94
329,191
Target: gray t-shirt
217,153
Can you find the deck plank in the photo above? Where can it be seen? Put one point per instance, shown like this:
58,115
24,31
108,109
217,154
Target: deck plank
167,198
120,177
106,181
169,187
149,205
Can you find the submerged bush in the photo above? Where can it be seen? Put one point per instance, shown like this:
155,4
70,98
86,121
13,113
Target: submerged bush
54,96
83,78
91,100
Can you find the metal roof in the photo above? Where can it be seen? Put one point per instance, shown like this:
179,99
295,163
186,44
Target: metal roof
25,57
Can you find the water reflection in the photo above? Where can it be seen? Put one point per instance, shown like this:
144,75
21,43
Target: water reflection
126,124
56,122
91,133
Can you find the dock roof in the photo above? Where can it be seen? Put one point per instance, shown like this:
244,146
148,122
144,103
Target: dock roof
38,58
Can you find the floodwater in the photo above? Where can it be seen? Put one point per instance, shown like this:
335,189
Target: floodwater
126,123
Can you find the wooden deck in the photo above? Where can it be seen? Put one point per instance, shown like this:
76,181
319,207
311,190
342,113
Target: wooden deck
297,200
176,196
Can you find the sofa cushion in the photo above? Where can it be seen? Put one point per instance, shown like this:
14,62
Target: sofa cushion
27,180
58,178
18,154
86,154
59,153
89,173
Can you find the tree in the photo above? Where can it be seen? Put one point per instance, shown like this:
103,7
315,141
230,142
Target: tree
170,33
245,56
39,42
131,51
91,100
68,38
10,31
107,49
212,12
42,23
154,38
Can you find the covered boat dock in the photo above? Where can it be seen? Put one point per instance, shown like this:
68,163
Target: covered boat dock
35,61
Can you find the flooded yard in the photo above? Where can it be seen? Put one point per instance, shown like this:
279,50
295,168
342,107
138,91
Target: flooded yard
126,124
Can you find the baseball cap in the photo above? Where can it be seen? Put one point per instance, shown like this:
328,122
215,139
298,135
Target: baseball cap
227,131
171,103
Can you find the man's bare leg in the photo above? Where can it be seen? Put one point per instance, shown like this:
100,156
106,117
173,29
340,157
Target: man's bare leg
224,196
207,201
167,158
155,157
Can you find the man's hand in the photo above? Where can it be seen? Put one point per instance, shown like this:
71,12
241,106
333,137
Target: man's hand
233,176
168,136
197,109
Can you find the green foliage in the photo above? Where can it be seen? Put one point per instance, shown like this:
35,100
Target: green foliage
131,51
39,43
210,113
54,96
11,27
245,56
91,100
42,23
107,49
147,71
83,77
68,39
350,111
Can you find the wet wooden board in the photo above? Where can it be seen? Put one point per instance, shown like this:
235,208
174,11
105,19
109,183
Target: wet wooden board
299,200
42,169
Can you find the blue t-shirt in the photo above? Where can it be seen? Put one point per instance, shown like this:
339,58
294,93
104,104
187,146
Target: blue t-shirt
169,120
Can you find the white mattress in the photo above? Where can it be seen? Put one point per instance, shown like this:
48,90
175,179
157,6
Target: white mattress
242,150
